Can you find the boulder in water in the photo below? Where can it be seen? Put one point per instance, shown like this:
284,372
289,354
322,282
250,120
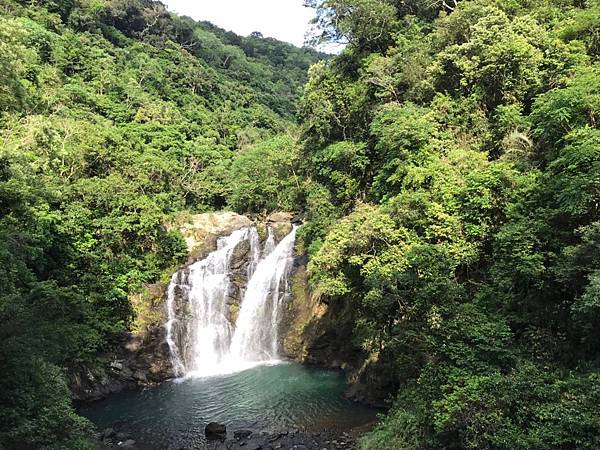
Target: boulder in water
120,436
215,430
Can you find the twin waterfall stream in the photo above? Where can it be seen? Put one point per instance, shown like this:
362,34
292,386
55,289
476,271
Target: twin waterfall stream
205,338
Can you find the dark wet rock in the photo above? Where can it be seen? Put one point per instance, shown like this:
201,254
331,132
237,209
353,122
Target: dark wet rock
141,360
88,385
215,430
254,444
279,436
239,256
141,376
121,436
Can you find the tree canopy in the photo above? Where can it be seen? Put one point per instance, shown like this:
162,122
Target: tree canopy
460,233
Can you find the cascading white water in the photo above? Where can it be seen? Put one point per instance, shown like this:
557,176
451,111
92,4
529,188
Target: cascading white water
269,243
201,338
198,330
256,337
254,251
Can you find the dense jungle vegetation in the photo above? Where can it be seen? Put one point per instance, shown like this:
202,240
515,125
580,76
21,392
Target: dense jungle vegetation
114,115
453,185
447,164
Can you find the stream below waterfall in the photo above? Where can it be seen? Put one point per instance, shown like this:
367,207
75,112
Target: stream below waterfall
264,398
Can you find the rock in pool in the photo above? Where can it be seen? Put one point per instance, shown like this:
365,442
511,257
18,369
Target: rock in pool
215,430
242,434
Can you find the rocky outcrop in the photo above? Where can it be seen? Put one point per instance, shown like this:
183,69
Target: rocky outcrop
201,231
142,356
281,224
239,278
317,333
139,360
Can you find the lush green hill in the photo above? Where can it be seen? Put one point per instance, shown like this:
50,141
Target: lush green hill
454,206
113,116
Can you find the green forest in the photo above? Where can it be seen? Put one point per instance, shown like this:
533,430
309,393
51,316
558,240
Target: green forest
446,165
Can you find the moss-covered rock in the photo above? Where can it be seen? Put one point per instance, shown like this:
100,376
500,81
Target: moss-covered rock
234,312
261,229
148,307
302,309
201,231
316,333
280,223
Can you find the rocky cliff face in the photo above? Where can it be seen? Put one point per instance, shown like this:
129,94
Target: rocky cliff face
201,231
317,333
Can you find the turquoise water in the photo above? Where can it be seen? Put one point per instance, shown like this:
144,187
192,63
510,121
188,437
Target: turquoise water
264,398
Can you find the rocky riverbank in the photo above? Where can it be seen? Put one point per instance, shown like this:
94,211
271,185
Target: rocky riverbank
244,440
287,440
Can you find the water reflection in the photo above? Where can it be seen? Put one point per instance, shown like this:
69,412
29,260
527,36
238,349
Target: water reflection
263,398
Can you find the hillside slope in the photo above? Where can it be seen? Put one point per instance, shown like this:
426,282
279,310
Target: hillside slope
114,115
453,205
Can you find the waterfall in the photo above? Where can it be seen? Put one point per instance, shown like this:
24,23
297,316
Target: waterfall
256,337
201,336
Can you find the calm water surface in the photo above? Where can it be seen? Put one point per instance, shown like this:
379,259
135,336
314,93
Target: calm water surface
264,398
